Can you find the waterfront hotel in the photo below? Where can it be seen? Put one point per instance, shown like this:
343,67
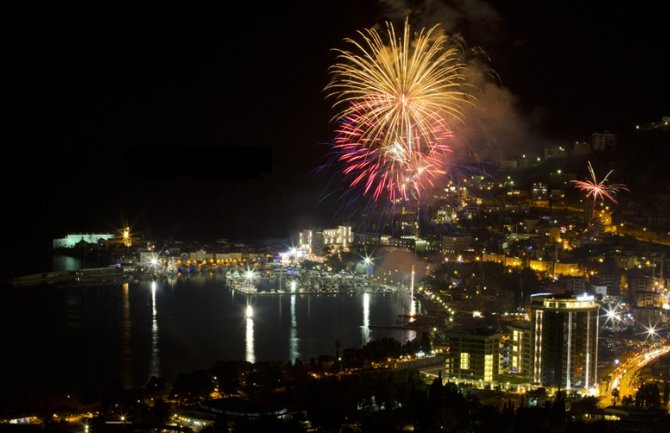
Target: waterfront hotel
565,340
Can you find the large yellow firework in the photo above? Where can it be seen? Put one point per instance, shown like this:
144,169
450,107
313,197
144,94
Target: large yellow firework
402,88
395,99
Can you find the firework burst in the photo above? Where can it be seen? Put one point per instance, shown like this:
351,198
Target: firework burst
395,168
599,190
395,98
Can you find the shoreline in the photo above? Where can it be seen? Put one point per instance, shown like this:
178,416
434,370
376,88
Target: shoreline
86,276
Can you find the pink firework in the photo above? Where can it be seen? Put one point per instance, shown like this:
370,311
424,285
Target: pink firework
397,168
599,190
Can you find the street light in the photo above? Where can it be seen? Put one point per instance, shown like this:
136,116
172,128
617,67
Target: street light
650,331
367,261
611,314
249,275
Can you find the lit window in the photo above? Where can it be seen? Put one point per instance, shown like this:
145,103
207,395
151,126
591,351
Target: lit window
465,361
488,368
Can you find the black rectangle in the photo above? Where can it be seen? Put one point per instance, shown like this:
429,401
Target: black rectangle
220,162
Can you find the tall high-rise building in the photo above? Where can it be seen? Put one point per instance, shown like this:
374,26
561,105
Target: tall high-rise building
565,341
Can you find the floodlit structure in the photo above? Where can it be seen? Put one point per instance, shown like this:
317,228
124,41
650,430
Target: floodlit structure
71,240
339,238
293,255
565,340
311,241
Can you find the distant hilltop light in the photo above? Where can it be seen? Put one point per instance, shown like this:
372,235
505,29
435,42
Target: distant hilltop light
663,123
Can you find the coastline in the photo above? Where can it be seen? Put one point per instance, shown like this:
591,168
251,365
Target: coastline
82,276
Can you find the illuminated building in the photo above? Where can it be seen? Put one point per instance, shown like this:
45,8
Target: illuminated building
311,242
293,255
401,244
473,355
405,224
455,244
648,298
340,238
69,241
539,191
367,239
427,246
565,340
520,349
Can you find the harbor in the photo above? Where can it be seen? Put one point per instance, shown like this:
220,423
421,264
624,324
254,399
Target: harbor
280,281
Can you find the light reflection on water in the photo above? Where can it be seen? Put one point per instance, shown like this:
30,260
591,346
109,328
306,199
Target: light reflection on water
365,329
154,366
250,355
127,333
293,335
127,351
65,263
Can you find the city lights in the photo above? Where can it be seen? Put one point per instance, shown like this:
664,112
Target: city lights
449,254
611,313
650,331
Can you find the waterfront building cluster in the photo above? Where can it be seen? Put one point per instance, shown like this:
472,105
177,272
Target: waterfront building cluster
529,287
485,244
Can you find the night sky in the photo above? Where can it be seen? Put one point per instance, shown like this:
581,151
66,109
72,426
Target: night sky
208,120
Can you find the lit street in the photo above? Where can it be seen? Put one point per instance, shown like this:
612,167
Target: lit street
625,376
